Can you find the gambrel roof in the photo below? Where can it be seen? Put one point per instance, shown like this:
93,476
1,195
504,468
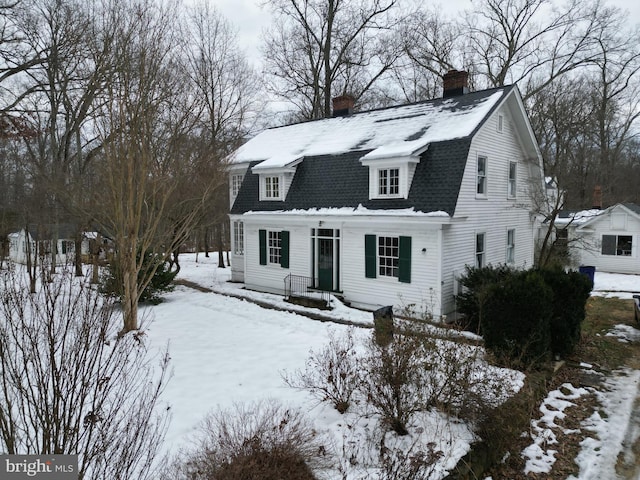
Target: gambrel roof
327,154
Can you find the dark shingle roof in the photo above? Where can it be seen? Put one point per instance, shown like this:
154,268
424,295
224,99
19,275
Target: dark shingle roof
342,181
338,179
635,208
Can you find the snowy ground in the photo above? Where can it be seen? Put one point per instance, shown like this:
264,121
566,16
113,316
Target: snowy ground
225,350
616,285
616,427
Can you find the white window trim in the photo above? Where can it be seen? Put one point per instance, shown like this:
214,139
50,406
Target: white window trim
400,177
238,237
483,251
380,266
512,194
486,175
236,183
405,172
617,236
274,251
263,188
510,248
500,123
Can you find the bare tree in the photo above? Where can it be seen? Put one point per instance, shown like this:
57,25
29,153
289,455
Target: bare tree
615,94
221,78
433,44
514,40
16,56
319,49
70,385
145,133
585,123
562,117
76,61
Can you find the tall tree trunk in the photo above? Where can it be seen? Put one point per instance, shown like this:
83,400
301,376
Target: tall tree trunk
95,272
54,254
77,254
128,263
31,259
94,251
206,242
175,260
220,246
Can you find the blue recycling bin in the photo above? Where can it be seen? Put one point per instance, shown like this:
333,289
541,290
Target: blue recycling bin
589,271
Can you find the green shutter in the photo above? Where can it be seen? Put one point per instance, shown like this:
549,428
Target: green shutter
370,256
404,262
262,235
284,249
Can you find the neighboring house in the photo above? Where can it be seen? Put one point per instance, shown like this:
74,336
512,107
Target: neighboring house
606,239
387,207
47,238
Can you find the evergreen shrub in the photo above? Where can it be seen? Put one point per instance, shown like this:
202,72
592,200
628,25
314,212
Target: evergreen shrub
477,282
516,319
571,291
112,282
525,316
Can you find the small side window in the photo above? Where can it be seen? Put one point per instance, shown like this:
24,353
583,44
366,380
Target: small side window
481,177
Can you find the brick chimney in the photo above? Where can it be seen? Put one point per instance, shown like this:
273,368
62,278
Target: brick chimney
597,198
455,82
343,105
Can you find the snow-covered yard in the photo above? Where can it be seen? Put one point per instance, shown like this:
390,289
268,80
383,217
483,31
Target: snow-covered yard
226,350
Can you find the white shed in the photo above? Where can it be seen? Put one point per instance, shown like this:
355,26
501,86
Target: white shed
609,239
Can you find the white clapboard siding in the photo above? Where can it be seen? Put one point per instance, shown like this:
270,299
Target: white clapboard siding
270,277
589,247
494,214
424,290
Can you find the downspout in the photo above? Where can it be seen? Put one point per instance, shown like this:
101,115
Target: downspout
440,295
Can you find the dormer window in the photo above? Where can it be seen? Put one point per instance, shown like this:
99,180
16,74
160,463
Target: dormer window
390,177
389,182
276,175
236,182
272,188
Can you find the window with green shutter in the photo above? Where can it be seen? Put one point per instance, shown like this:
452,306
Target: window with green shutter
262,237
388,257
404,261
370,256
274,248
284,249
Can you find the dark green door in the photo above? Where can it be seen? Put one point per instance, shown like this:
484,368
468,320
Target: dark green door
325,263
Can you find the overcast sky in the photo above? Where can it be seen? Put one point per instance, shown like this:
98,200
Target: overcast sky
250,19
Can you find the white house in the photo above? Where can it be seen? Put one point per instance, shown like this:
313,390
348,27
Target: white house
44,237
387,207
606,239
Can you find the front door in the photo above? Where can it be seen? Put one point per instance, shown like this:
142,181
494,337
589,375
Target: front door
325,264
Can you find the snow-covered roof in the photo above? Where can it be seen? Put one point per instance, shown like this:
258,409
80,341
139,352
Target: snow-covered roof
390,132
581,218
577,218
359,210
